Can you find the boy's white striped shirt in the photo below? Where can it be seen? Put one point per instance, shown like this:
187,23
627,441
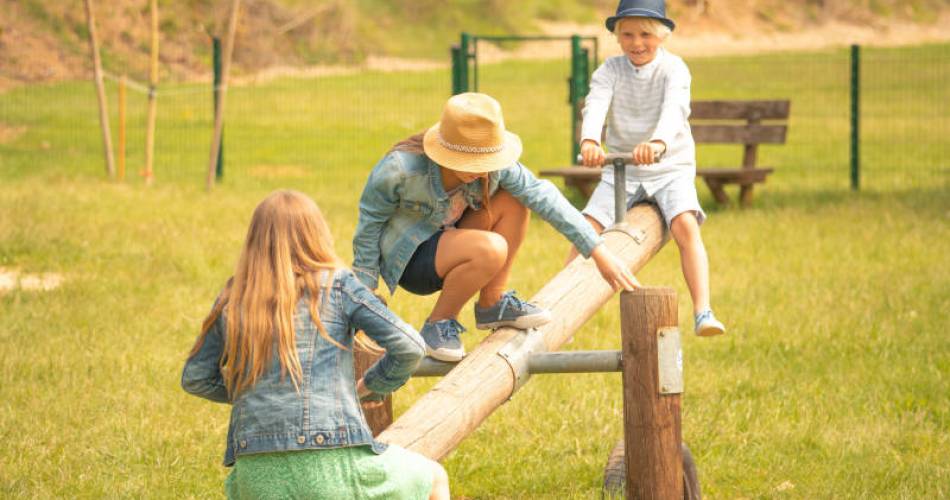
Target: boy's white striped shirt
640,105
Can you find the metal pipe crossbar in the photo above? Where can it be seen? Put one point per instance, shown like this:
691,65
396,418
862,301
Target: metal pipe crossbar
544,362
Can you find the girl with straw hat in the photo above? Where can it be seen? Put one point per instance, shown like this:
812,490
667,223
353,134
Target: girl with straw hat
447,210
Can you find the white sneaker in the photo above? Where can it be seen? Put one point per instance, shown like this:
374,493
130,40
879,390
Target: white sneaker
707,325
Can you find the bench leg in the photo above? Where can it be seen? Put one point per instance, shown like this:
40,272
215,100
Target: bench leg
718,192
745,194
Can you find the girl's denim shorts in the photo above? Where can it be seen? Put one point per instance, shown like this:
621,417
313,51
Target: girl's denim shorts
420,277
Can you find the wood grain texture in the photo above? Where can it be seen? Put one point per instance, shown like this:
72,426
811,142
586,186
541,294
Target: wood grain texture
464,398
651,420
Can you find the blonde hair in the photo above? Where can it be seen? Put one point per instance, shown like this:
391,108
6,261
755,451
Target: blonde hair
647,24
287,250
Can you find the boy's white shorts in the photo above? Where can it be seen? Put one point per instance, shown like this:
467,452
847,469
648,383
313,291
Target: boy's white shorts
673,199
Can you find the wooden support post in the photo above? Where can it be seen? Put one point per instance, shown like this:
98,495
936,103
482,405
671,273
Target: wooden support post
122,85
481,382
749,158
651,419
219,109
377,418
152,86
100,89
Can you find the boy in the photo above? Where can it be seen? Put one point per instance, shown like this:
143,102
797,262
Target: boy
646,92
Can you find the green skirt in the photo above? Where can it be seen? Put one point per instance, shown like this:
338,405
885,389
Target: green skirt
354,472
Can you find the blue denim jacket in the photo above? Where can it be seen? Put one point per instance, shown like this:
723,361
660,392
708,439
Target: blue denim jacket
404,203
272,416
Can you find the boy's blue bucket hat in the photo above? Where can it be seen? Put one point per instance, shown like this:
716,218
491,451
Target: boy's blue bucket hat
654,9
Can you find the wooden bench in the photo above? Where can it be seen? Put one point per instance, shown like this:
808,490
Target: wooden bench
715,122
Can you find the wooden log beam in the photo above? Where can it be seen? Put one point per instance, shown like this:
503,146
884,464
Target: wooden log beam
461,401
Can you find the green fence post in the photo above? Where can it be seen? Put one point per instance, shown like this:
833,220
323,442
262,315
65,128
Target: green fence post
465,52
216,46
457,62
578,87
855,117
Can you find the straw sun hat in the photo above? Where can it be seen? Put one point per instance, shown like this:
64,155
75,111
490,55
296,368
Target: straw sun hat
471,136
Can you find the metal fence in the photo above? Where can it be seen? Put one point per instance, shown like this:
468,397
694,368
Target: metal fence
329,122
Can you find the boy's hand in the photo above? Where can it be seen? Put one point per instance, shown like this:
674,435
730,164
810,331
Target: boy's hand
648,153
613,270
592,155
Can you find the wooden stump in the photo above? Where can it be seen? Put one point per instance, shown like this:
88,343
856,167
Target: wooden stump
651,420
377,418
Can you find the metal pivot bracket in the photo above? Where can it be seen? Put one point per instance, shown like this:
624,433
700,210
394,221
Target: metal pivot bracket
669,354
638,234
517,351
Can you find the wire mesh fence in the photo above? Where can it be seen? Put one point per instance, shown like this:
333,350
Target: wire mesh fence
330,124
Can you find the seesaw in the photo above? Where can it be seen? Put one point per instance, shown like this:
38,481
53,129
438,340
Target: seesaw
650,361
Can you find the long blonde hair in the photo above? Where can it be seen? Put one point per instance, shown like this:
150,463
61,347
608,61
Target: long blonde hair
287,249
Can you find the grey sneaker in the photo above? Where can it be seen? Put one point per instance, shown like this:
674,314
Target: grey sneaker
707,325
442,340
511,311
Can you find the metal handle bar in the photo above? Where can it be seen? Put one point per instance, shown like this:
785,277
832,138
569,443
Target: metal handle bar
613,158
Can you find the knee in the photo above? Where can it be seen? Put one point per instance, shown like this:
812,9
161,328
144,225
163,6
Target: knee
440,482
439,476
685,228
490,250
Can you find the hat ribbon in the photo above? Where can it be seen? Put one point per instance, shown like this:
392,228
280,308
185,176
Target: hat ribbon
461,148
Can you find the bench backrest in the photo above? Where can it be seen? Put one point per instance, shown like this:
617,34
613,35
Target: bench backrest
740,122
735,122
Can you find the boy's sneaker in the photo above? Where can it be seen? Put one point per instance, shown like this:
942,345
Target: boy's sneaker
707,325
511,311
442,340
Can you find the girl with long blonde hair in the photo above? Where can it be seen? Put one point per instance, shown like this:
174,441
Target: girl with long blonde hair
277,346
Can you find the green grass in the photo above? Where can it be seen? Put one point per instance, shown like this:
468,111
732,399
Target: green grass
834,378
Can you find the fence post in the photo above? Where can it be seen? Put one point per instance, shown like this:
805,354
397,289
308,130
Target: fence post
222,89
651,409
464,44
855,117
578,87
152,89
216,46
100,89
122,84
457,62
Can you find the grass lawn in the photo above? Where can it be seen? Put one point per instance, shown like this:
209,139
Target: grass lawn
833,382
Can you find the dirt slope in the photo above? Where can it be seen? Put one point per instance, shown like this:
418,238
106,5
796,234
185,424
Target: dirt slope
47,40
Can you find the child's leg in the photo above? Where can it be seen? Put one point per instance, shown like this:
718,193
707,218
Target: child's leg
693,259
440,482
509,219
466,259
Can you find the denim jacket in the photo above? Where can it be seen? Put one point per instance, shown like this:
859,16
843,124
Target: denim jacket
404,203
272,415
